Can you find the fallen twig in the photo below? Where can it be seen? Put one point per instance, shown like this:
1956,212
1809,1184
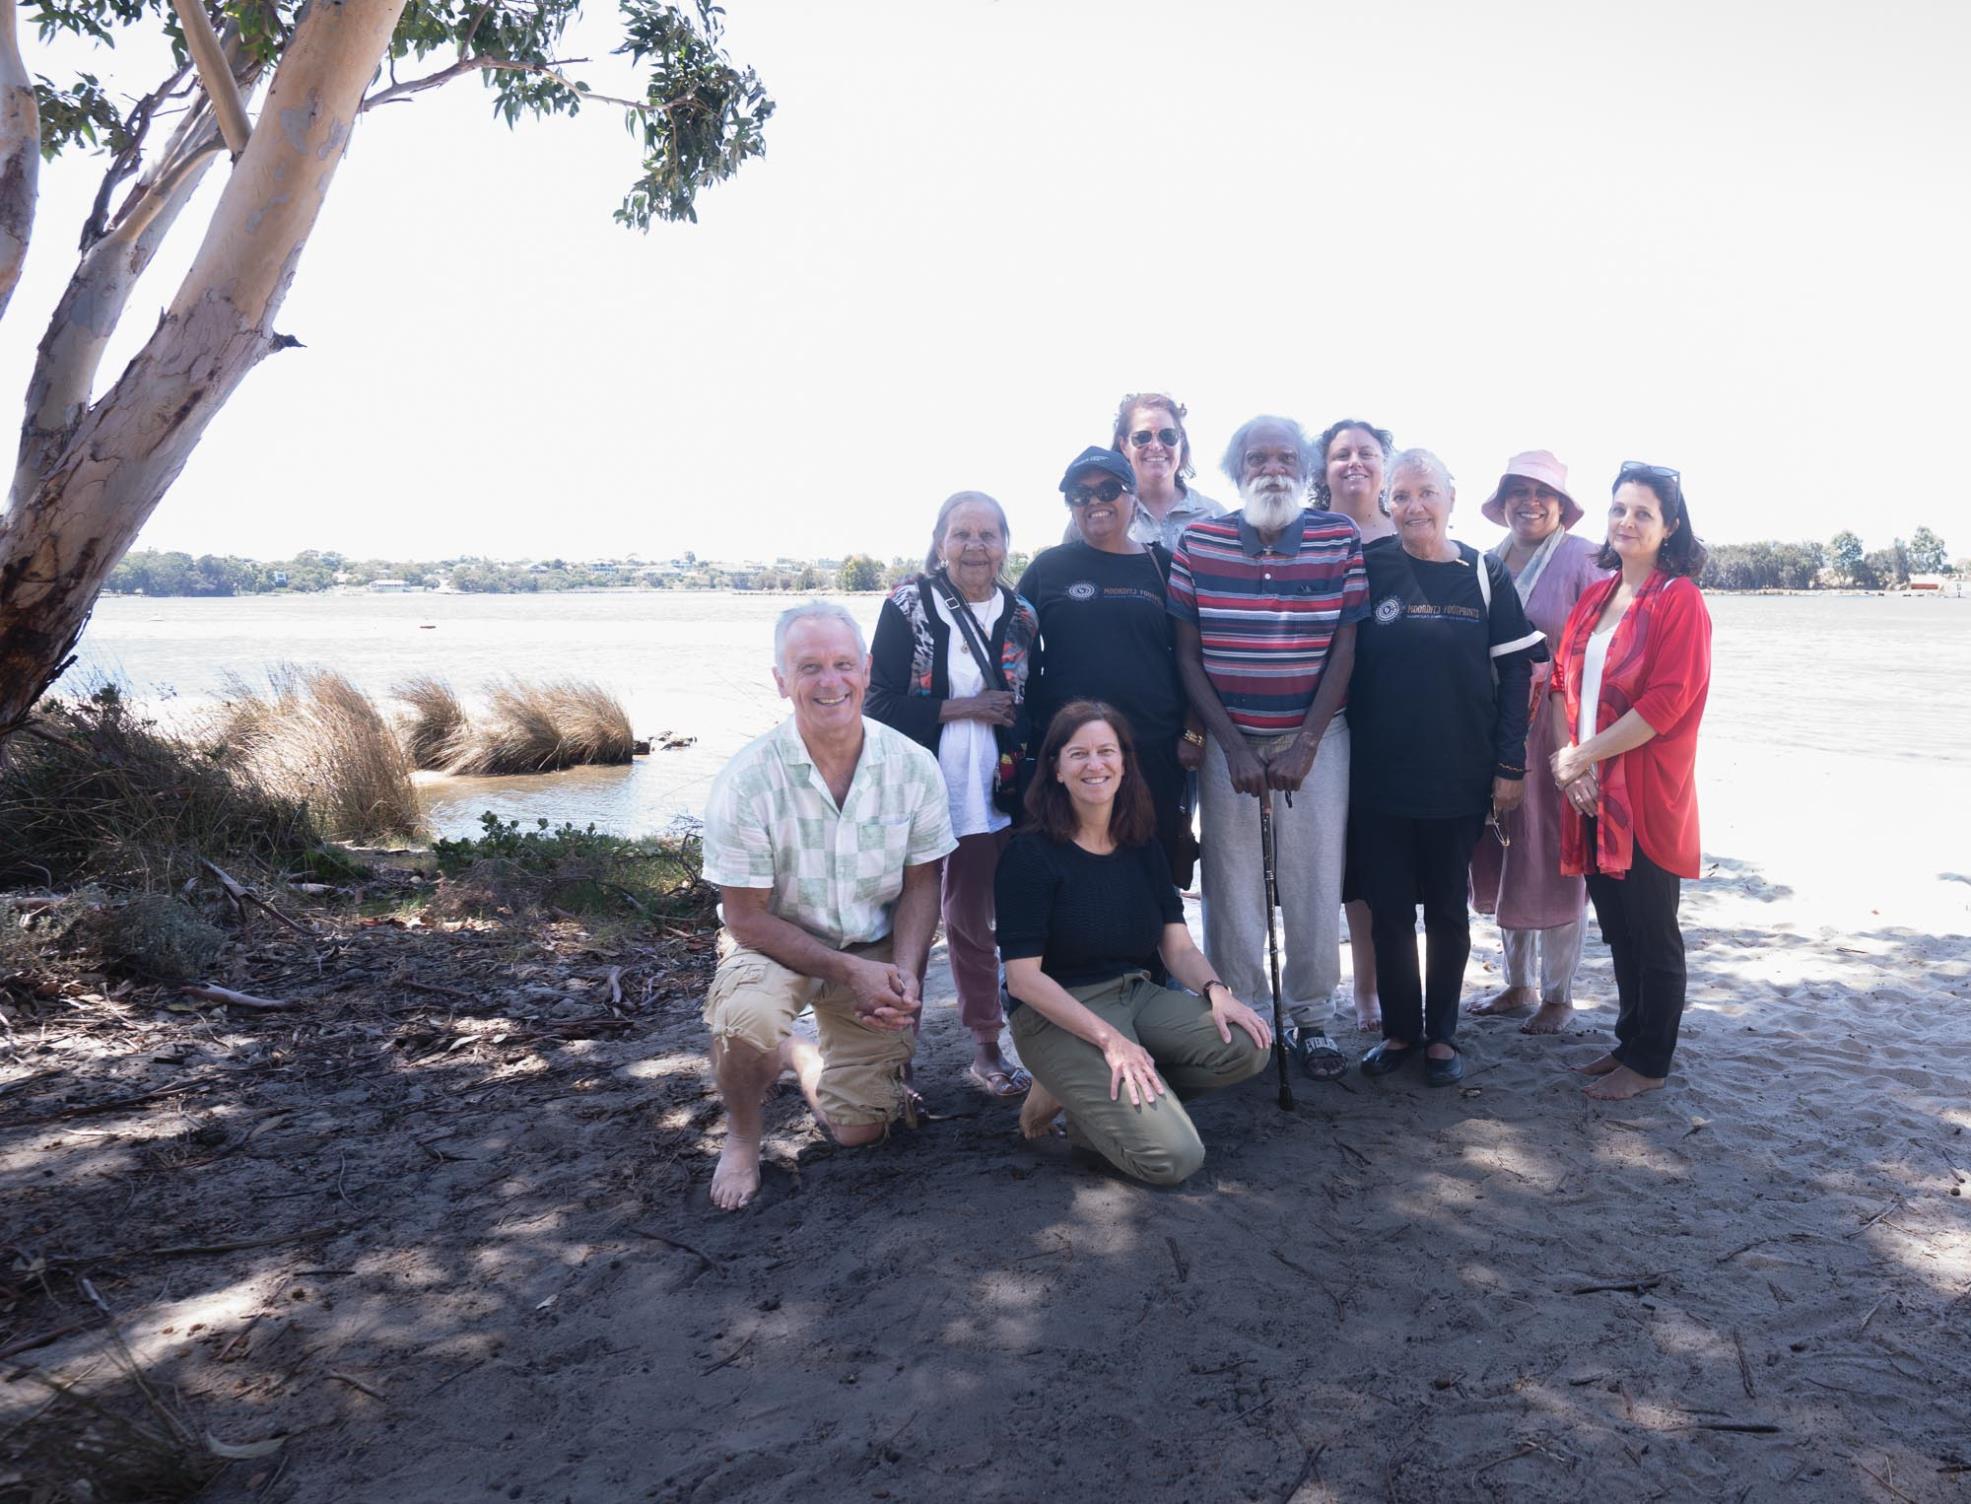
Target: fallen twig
189,1250
1744,1367
29,1344
1526,1449
356,1383
1746,1427
213,992
1308,1471
1177,1257
241,897
730,1357
86,1109
1639,1286
658,1237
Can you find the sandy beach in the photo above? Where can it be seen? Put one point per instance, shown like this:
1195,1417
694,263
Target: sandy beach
471,1253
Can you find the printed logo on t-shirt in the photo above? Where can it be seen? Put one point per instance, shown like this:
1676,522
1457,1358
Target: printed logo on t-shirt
1082,590
1389,608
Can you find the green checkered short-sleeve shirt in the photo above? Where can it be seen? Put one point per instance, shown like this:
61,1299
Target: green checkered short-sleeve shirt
771,823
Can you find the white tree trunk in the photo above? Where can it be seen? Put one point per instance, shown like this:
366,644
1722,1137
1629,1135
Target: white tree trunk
20,153
64,534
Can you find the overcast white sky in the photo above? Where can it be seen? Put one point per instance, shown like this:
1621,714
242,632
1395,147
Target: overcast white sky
1724,236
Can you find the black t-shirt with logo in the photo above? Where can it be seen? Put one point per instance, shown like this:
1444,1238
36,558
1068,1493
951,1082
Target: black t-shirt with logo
1104,635
1428,730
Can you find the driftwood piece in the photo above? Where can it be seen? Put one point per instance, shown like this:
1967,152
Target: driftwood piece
213,992
242,896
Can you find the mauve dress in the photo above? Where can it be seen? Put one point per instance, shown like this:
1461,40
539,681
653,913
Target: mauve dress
1523,886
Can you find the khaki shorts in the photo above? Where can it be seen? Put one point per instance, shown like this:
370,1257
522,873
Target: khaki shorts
754,1000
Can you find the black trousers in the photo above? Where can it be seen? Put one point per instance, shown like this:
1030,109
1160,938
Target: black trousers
1638,918
1399,862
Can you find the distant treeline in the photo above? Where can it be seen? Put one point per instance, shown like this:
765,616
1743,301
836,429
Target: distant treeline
1842,562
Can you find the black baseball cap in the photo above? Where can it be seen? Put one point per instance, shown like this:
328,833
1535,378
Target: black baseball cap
1111,464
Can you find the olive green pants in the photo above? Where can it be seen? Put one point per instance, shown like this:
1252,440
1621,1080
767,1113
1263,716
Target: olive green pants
1155,1142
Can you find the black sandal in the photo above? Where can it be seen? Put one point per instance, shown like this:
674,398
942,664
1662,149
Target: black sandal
1319,1056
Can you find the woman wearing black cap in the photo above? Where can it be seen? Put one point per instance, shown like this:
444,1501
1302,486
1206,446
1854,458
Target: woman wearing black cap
1105,634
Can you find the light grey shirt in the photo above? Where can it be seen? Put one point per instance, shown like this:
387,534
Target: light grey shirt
1192,505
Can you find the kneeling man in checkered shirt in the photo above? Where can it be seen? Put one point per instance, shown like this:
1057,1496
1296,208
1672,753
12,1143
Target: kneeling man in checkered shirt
824,837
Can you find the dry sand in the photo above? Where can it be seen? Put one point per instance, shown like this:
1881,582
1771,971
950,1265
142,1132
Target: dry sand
1755,1284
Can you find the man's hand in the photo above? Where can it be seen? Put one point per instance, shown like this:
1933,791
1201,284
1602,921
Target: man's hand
1247,772
1288,768
1190,754
885,996
1507,794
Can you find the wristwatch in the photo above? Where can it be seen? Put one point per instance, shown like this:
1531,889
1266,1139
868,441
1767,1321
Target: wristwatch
1205,991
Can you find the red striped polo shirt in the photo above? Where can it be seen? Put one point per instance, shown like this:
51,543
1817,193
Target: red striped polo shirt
1267,615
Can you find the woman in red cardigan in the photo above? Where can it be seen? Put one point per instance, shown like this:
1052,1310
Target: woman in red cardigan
1629,684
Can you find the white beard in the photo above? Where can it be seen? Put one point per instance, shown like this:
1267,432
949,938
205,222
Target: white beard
1270,502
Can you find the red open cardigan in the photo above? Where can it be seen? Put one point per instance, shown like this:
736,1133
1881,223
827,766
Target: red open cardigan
1659,665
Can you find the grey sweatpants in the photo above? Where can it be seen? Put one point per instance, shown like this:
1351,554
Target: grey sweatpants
1309,840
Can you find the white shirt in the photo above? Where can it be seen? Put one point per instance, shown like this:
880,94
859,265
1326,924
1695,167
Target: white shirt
1592,665
968,751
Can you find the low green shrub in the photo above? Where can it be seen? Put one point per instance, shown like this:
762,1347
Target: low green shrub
581,870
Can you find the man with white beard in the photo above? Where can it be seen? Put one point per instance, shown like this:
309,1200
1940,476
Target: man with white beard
1265,602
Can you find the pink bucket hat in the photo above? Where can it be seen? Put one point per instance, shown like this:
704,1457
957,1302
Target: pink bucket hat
1540,465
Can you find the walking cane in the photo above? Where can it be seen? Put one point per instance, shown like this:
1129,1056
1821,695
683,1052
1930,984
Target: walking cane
1273,942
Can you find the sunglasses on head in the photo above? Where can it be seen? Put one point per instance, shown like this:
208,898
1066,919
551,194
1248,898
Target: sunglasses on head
1168,437
1674,479
1081,496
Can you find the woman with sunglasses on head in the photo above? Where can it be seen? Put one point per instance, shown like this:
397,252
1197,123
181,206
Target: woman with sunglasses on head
1149,433
948,668
1105,632
1350,457
1089,927
1629,685
1515,873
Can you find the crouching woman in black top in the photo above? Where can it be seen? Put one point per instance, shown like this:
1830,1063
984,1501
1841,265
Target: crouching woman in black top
1088,923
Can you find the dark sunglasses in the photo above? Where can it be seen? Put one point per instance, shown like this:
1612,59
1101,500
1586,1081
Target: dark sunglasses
1659,472
1168,437
1080,496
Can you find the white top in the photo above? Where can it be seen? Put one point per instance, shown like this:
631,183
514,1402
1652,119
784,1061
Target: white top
1591,668
968,751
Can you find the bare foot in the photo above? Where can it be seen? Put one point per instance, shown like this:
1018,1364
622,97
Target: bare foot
1509,1001
1621,1084
1038,1112
1368,1013
1601,1065
1550,1019
737,1179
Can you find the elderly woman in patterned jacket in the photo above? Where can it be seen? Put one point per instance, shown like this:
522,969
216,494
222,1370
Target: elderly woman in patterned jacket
948,668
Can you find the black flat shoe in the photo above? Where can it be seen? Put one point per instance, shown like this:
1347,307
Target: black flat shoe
1383,1059
1444,1072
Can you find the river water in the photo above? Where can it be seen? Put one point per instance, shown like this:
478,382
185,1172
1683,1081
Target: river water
1875,691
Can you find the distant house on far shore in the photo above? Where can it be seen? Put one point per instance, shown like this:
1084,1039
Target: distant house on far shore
1935,584
390,587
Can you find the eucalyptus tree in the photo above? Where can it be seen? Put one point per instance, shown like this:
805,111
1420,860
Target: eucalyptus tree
94,457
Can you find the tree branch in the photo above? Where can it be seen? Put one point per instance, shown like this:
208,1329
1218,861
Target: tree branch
20,153
215,73
136,128
468,65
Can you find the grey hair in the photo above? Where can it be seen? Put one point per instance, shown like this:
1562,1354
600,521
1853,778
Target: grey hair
957,499
1235,452
1420,459
813,611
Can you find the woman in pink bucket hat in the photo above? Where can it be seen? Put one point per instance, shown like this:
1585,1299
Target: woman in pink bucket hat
1519,879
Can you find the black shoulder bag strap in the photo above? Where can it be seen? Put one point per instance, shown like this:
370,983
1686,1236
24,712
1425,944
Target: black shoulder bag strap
969,625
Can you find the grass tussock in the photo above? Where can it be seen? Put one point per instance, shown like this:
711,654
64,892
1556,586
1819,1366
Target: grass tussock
89,791
579,871
312,736
538,728
433,729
